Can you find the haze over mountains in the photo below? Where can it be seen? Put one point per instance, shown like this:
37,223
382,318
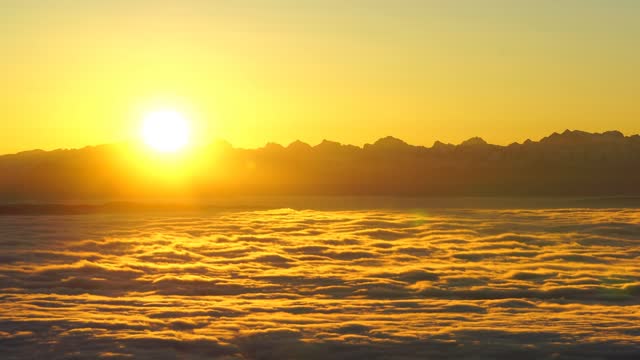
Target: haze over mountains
571,163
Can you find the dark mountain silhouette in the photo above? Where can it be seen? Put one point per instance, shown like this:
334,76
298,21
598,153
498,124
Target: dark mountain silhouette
474,141
571,163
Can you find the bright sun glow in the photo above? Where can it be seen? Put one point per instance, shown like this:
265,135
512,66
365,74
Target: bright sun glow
165,131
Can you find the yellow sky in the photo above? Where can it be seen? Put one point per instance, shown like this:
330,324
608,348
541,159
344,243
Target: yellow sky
78,73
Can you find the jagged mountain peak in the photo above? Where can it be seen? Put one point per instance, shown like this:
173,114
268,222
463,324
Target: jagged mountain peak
327,144
577,137
271,146
474,141
613,134
390,142
439,145
299,145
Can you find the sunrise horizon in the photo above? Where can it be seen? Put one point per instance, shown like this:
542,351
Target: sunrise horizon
140,142
269,71
315,180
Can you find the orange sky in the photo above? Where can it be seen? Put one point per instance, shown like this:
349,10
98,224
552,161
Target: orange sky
83,73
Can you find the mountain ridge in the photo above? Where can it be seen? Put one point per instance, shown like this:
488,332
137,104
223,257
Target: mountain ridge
570,163
567,137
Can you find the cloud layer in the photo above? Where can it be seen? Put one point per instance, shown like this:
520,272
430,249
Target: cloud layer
279,284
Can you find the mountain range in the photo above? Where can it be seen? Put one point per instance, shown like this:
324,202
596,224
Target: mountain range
571,163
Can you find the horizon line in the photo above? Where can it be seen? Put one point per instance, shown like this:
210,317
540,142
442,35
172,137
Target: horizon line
474,140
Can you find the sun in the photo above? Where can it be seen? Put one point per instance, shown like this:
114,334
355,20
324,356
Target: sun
165,131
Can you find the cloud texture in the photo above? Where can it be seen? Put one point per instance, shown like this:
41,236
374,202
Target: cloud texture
484,284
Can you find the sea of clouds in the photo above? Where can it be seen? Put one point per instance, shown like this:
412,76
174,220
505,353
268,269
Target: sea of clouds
287,284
